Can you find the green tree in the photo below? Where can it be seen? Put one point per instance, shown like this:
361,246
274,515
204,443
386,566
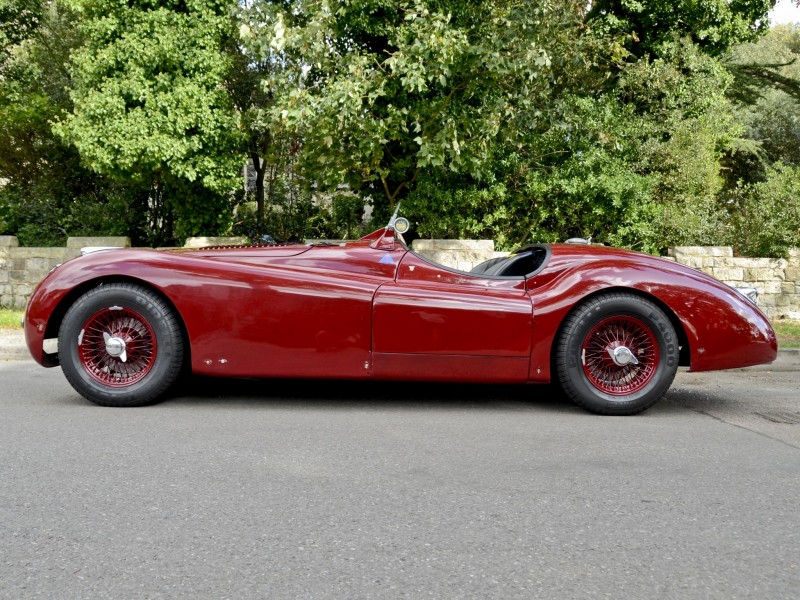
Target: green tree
47,194
513,120
35,42
682,98
381,90
151,106
766,214
636,164
713,25
244,83
761,194
19,21
767,98
769,63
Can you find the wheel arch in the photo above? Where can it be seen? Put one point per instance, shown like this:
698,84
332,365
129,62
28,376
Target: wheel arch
683,338
58,313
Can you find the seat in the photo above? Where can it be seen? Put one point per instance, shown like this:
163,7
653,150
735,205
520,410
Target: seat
487,264
516,265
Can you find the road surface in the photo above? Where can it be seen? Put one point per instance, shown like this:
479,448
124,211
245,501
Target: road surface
340,490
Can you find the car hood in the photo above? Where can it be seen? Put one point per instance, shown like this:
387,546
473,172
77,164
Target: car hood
234,252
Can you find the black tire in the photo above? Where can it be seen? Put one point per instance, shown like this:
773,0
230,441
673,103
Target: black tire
616,354
120,345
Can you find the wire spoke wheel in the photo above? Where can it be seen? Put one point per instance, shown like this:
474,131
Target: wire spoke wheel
117,346
620,355
121,344
616,354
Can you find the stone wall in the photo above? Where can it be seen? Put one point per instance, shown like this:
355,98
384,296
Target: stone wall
776,279
205,242
21,269
456,254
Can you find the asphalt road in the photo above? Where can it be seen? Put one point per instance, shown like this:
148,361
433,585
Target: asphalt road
307,490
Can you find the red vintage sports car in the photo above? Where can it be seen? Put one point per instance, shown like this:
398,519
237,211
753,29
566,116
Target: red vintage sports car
609,325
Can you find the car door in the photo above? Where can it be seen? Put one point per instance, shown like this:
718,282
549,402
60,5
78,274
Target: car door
435,324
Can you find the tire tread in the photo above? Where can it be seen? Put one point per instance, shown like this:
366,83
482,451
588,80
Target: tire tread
157,388
568,384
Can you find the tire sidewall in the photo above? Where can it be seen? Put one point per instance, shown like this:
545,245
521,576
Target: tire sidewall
151,309
573,376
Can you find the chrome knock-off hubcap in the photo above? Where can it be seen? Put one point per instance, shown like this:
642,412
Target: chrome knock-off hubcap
622,356
115,346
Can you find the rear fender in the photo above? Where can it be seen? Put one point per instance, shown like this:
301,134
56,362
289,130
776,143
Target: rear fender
718,327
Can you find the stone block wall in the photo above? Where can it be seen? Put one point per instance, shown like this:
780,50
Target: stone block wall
205,242
456,254
21,269
776,279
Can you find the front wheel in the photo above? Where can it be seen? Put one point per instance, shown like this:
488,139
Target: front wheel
616,354
120,345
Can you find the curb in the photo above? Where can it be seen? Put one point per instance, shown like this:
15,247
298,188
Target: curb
788,360
12,345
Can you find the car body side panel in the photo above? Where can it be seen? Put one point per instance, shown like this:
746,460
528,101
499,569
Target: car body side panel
724,330
278,319
309,318
432,323
440,367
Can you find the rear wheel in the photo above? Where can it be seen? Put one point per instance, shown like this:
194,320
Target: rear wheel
120,345
617,354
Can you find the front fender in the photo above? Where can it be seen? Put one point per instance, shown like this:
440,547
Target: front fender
55,293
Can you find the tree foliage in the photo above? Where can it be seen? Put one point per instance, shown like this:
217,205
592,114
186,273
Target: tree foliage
767,93
150,106
636,165
19,20
148,91
48,194
381,90
643,123
33,81
713,25
766,214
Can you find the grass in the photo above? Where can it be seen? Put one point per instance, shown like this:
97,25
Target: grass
788,331
9,319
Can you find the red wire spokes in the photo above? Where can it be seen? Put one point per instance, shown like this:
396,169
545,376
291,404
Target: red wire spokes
121,329
614,376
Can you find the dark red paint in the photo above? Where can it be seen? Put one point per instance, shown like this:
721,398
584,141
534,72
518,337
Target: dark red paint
373,309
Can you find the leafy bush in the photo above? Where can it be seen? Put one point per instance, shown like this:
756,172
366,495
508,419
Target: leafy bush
766,215
298,216
602,167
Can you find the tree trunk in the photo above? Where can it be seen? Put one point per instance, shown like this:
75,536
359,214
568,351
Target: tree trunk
258,165
404,186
